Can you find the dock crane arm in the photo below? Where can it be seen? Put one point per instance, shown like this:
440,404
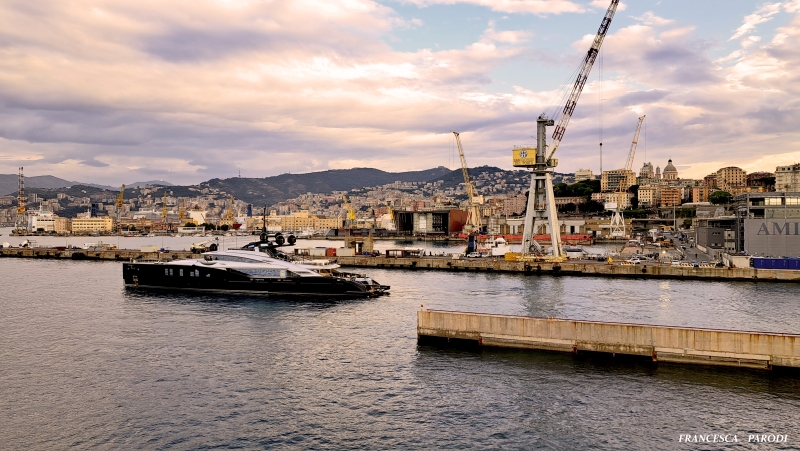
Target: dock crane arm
473,214
583,75
632,152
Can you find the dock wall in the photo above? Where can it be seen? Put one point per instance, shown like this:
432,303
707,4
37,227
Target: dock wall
83,254
661,343
568,268
574,268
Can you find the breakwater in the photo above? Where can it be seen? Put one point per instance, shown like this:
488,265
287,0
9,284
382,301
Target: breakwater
660,343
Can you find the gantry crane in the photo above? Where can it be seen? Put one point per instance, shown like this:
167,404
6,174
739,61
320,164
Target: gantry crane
351,214
541,207
618,220
120,201
473,211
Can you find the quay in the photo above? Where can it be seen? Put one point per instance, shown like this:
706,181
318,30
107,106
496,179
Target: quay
572,268
500,265
84,254
659,343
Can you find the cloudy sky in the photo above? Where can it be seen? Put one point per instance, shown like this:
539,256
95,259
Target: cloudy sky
114,91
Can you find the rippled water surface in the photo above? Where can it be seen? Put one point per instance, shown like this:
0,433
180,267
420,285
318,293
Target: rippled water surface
85,363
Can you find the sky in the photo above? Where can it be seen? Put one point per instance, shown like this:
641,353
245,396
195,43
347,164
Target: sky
116,91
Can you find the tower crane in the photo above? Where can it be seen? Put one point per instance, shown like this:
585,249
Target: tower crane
164,207
618,220
229,216
120,201
541,207
351,214
473,212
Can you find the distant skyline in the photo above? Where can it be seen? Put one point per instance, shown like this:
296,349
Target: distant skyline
105,91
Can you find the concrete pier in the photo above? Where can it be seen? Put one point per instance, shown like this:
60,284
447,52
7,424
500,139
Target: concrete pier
573,268
660,343
83,254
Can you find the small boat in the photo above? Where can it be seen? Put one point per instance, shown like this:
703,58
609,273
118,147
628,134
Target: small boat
257,268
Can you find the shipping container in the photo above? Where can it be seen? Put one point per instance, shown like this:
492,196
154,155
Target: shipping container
345,252
330,252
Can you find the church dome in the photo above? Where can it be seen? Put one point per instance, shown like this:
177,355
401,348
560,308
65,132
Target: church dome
670,173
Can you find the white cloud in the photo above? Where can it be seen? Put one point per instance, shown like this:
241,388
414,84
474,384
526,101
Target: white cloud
538,7
763,14
152,89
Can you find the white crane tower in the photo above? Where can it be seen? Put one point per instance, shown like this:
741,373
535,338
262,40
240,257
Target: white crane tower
541,204
618,220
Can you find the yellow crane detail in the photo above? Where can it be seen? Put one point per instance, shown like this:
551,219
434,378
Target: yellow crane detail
351,213
182,211
120,201
164,206
473,212
229,216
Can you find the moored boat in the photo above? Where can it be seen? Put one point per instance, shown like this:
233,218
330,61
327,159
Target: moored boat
258,268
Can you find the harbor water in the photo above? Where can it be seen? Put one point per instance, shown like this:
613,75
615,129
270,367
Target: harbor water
87,363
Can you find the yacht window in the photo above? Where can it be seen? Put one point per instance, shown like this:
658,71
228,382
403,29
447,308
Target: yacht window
180,272
170,272
232,258
166,271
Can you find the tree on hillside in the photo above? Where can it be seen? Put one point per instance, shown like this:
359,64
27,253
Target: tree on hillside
591,206
720,197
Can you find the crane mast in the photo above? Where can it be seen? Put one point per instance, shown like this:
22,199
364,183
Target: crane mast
164,207
618,220
473,212
541,207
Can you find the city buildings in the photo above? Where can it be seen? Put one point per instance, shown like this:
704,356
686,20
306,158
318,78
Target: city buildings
611,180
787,178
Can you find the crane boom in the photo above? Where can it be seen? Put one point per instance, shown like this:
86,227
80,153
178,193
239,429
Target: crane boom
583,75
629,163
473,213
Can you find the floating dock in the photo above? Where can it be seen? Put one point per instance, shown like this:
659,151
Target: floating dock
660,343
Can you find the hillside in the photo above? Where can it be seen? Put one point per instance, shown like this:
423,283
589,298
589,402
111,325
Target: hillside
272,190
9,183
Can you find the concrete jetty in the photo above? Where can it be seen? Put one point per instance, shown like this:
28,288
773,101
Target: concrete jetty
573,268
84,254
660,343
